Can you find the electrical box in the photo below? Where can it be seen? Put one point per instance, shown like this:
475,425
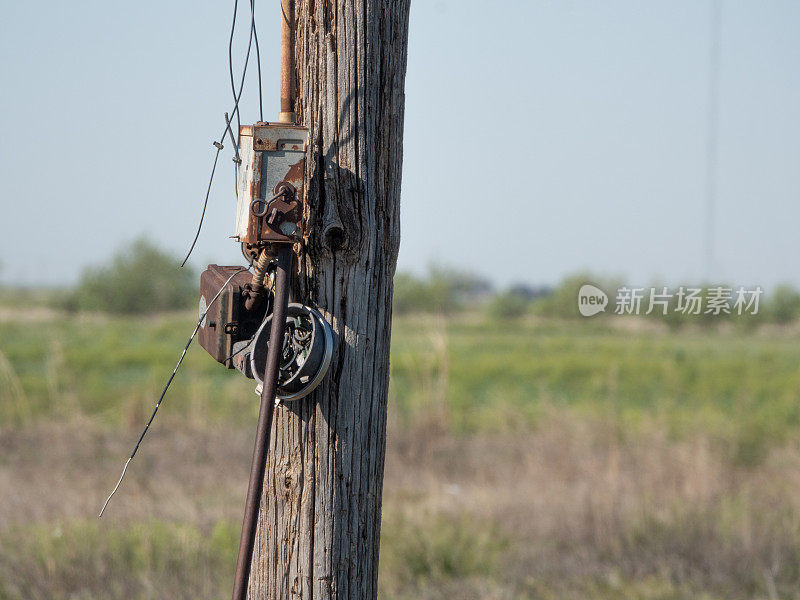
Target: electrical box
273,155
307,350
228,321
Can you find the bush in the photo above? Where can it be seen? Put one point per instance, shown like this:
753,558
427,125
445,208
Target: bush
563,301
413,294
509,305
141,278
418,549
81,560
443,290
784,305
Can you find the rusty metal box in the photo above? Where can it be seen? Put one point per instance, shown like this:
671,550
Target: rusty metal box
227,321
271,153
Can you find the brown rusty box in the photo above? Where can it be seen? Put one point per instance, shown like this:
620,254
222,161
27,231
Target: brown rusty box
271,153
227,321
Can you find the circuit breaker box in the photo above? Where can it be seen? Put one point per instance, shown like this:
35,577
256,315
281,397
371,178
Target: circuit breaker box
227,321
273,155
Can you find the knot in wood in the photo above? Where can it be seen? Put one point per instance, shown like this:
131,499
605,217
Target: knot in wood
291,484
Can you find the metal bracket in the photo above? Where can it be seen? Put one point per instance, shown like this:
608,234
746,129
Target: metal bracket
279,218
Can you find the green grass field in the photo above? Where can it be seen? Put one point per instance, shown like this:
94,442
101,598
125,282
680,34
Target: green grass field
476,374
528,459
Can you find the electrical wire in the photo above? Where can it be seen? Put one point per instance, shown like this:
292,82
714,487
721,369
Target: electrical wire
236,158
237,97
253,37
218,144
258,60
239,351
234,112
230,55
166,387
205,202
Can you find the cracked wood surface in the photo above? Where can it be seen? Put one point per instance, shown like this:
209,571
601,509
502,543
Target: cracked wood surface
319,525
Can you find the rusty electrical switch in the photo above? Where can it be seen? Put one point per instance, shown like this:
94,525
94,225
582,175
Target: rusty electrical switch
271,184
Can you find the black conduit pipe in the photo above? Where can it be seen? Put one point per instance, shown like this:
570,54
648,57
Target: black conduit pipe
265,413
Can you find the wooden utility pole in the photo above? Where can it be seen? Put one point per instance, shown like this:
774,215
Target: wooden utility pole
319,524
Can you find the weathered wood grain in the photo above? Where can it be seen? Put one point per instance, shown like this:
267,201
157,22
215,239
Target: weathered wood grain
319,526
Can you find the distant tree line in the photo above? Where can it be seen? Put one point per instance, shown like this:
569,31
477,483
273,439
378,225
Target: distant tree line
142,278
446,291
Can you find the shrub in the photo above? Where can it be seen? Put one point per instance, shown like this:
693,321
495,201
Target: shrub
443,290
509,305
141,278
438,547
783,305
82,560
413,294
563,301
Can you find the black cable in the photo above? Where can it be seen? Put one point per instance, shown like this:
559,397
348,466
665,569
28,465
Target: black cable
230,55
253,35
239,351
236,159
166,387
258,60
205,203
227,121
241,83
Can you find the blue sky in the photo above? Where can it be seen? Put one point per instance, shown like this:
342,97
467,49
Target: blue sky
542,138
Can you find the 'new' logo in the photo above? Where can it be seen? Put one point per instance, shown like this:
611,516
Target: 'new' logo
591,300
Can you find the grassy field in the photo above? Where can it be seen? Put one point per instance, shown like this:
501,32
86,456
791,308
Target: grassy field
531,459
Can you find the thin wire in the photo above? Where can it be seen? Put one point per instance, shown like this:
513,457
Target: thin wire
258,60
166,387
235,112
253,35
238,96
230,55
205,202
239,351
236,159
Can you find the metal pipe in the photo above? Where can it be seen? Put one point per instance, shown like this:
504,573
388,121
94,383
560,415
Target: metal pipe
287,114
265,413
